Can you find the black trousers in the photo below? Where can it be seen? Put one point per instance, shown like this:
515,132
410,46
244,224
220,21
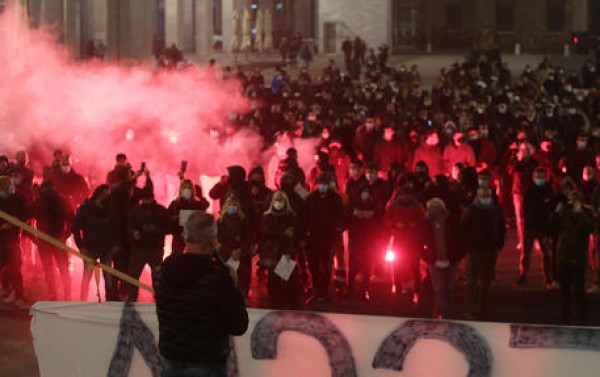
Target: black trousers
572,283
320,263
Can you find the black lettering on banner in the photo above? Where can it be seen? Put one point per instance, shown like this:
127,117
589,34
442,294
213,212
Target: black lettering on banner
554,337
134,333
267,330
396,346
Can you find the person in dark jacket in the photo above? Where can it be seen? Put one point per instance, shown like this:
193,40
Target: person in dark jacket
69,184
234,183
288,185
186,201
124,196
53,217
403,216
261,197
574,223
538,204
365,218
198,305
277,242
96,235
149,223
324,221
483,230
23,176
356,179
521,170
10,242
235,238
441,252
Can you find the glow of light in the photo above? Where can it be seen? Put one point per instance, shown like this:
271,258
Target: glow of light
129,135
390,256
575,40
173,137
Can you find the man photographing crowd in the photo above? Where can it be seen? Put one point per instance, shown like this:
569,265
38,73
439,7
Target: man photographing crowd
198,305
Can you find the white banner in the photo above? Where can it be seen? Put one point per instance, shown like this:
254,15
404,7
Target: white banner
119,340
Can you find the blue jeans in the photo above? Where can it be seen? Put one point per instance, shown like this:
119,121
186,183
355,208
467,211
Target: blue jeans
443,281
177,369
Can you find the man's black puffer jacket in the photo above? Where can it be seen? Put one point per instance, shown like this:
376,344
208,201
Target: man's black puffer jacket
198,308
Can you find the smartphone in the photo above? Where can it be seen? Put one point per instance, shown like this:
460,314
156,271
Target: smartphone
143,166
183,167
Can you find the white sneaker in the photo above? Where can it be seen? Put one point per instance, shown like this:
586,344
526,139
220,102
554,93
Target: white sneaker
594,289
10,298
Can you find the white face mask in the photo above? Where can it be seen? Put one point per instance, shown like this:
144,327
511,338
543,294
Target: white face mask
65,168
278,205
364,196
186,193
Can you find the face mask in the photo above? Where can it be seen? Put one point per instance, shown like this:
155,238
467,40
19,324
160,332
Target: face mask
539,182
11,190
502,110
186,193
278,205
581,144
364,196
484,133
354,173
483,183
549,115
65,168
232,210
480,111
16,181
371,177
485,201
427,103
572,111
370,125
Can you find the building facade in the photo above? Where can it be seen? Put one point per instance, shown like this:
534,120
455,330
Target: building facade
130,28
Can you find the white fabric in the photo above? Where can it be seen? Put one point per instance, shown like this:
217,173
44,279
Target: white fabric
79,339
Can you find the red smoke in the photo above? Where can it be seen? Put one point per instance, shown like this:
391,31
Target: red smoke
96,109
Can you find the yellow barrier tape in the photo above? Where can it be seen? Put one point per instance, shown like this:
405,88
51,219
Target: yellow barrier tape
56,243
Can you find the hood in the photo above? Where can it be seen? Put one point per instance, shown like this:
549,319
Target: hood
237,175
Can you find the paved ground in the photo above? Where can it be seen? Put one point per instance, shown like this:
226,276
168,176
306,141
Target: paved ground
531,303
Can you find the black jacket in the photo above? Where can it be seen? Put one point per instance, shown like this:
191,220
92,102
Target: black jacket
94,229
538,205
16,206
153,222
325,214
198,308
53,215
273,243
483,228
174,209
454,251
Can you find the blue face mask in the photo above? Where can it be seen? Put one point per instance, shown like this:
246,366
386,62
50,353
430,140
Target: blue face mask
323,188
232,210
485,201
539,182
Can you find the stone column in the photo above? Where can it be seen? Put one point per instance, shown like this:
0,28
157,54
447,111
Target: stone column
204,28
131,27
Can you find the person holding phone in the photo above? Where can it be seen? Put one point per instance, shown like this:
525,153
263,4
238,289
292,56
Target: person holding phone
187,200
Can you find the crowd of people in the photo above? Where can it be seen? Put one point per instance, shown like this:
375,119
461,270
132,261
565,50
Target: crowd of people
436,176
